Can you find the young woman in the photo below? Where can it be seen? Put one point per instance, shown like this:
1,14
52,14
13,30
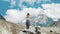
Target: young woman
27,20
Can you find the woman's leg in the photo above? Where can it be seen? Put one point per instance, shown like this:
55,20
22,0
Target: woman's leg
27,24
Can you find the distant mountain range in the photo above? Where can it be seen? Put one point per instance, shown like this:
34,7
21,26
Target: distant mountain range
44,21
41,20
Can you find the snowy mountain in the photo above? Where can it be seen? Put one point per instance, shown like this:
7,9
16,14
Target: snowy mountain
41,20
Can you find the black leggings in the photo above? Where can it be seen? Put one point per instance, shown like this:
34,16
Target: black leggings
27,24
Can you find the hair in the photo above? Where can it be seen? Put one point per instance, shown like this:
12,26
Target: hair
28,14
51,31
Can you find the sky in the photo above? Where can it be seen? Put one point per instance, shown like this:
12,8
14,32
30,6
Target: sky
15,10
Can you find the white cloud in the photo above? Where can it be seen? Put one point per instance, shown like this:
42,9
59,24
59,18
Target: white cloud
13,3
19,2
18,16
38,1
52,10
31,2
12,15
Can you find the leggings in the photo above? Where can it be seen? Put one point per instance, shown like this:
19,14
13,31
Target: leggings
27,24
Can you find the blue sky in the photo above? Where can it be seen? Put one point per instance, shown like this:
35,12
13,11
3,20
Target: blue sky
5,5
8,8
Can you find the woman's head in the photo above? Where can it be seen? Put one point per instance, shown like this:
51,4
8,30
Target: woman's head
28,14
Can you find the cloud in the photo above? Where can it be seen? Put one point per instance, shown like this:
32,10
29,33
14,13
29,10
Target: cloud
31,2
19,3
52,10
12,15
18,16
13,3
38,1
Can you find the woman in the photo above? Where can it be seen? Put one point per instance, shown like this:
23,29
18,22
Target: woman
27,20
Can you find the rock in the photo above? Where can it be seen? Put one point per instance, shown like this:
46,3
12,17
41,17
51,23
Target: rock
7,27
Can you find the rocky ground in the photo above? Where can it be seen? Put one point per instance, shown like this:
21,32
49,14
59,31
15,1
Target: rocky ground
7,27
